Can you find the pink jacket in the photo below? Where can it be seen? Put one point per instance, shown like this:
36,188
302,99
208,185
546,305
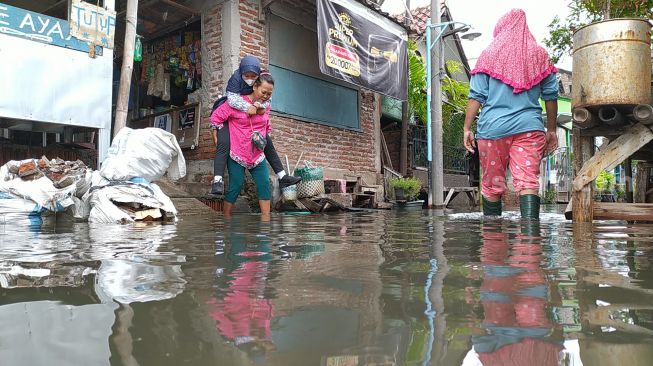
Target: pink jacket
241,126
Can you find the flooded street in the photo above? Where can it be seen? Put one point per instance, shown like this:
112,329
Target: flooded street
369,288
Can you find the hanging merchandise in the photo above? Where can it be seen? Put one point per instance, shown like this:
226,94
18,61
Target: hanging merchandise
165,96
138,49
191,77
173,62
157,84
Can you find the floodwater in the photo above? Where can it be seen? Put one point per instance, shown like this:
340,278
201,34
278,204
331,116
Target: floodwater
370,288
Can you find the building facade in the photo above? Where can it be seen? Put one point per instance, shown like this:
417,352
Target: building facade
336,125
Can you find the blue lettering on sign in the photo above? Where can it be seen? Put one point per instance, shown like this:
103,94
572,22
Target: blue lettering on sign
41,28
102,23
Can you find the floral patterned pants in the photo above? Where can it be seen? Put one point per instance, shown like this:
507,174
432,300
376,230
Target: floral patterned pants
521,152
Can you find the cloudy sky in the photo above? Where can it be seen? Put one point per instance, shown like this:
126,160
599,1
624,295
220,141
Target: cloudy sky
483,14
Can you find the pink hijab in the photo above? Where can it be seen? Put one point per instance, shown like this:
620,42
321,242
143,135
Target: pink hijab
514,57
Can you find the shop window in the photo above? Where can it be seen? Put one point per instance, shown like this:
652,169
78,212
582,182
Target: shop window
301,90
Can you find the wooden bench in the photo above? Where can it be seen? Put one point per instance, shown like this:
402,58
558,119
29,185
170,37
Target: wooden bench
452,192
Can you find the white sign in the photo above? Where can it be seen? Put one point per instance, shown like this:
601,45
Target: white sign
92,24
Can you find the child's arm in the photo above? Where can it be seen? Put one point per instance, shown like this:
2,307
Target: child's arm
214,132
236,101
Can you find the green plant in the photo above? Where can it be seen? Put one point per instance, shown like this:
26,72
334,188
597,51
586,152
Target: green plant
411,186
454,94
416,83
550,196
619,190
605,181
583,12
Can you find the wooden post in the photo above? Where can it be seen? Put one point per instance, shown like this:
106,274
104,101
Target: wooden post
403,150
582,206
628,167
641,182
122,103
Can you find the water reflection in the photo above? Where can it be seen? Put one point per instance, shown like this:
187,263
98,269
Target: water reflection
240,308
516,327
387,288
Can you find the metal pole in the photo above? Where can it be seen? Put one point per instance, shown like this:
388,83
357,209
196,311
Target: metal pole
437,166
428,107
122,103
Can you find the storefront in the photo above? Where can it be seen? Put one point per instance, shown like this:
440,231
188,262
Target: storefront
166,82
55,88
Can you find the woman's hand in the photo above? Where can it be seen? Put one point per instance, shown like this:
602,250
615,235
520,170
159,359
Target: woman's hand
551,142
468,141
251,110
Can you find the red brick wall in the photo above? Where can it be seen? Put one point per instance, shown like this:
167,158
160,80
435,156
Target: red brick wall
328,147
253,38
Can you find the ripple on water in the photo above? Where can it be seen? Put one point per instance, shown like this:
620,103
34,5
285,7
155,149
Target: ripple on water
410,287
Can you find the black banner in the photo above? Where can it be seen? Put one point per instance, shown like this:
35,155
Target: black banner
362,47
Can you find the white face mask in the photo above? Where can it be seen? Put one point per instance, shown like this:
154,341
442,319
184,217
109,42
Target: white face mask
249,82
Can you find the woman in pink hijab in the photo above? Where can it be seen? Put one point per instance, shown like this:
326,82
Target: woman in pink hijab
510,77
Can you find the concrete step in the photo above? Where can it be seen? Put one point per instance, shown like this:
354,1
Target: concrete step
191,206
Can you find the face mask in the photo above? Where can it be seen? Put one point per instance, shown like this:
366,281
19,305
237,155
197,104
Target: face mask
249,82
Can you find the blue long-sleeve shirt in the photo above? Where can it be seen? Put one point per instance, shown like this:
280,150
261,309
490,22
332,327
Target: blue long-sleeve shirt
505,113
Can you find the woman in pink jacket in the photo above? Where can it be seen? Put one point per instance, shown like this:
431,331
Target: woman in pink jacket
248,138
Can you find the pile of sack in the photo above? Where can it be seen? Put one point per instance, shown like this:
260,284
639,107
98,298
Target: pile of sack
120,192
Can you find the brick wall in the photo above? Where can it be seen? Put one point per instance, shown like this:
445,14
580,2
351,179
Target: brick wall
329,147
326,146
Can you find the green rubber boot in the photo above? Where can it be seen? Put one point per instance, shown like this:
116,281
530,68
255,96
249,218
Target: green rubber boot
529,205
491,208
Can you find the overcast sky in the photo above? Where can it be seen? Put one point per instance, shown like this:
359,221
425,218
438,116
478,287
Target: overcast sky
483,15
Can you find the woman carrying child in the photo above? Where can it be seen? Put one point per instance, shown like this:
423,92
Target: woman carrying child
248,135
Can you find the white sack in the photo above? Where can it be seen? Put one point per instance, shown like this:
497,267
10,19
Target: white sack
146,153
103,209
42,191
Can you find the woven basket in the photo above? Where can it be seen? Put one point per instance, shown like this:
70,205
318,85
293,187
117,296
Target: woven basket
312,183
289,193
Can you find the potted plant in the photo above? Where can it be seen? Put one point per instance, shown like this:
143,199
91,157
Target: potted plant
604,183
406,189
621,193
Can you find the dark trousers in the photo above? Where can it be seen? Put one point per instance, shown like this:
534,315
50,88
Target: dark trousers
222,153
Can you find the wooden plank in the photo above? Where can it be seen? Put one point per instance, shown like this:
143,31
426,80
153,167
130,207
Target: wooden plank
462,189
602,131
343,200
451,194
583,148
472,199
617,151
386,153
310,205
623,211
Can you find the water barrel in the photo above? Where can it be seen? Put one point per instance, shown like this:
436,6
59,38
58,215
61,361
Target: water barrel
612,64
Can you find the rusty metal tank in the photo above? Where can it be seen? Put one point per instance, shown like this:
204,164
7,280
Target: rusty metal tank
612,64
